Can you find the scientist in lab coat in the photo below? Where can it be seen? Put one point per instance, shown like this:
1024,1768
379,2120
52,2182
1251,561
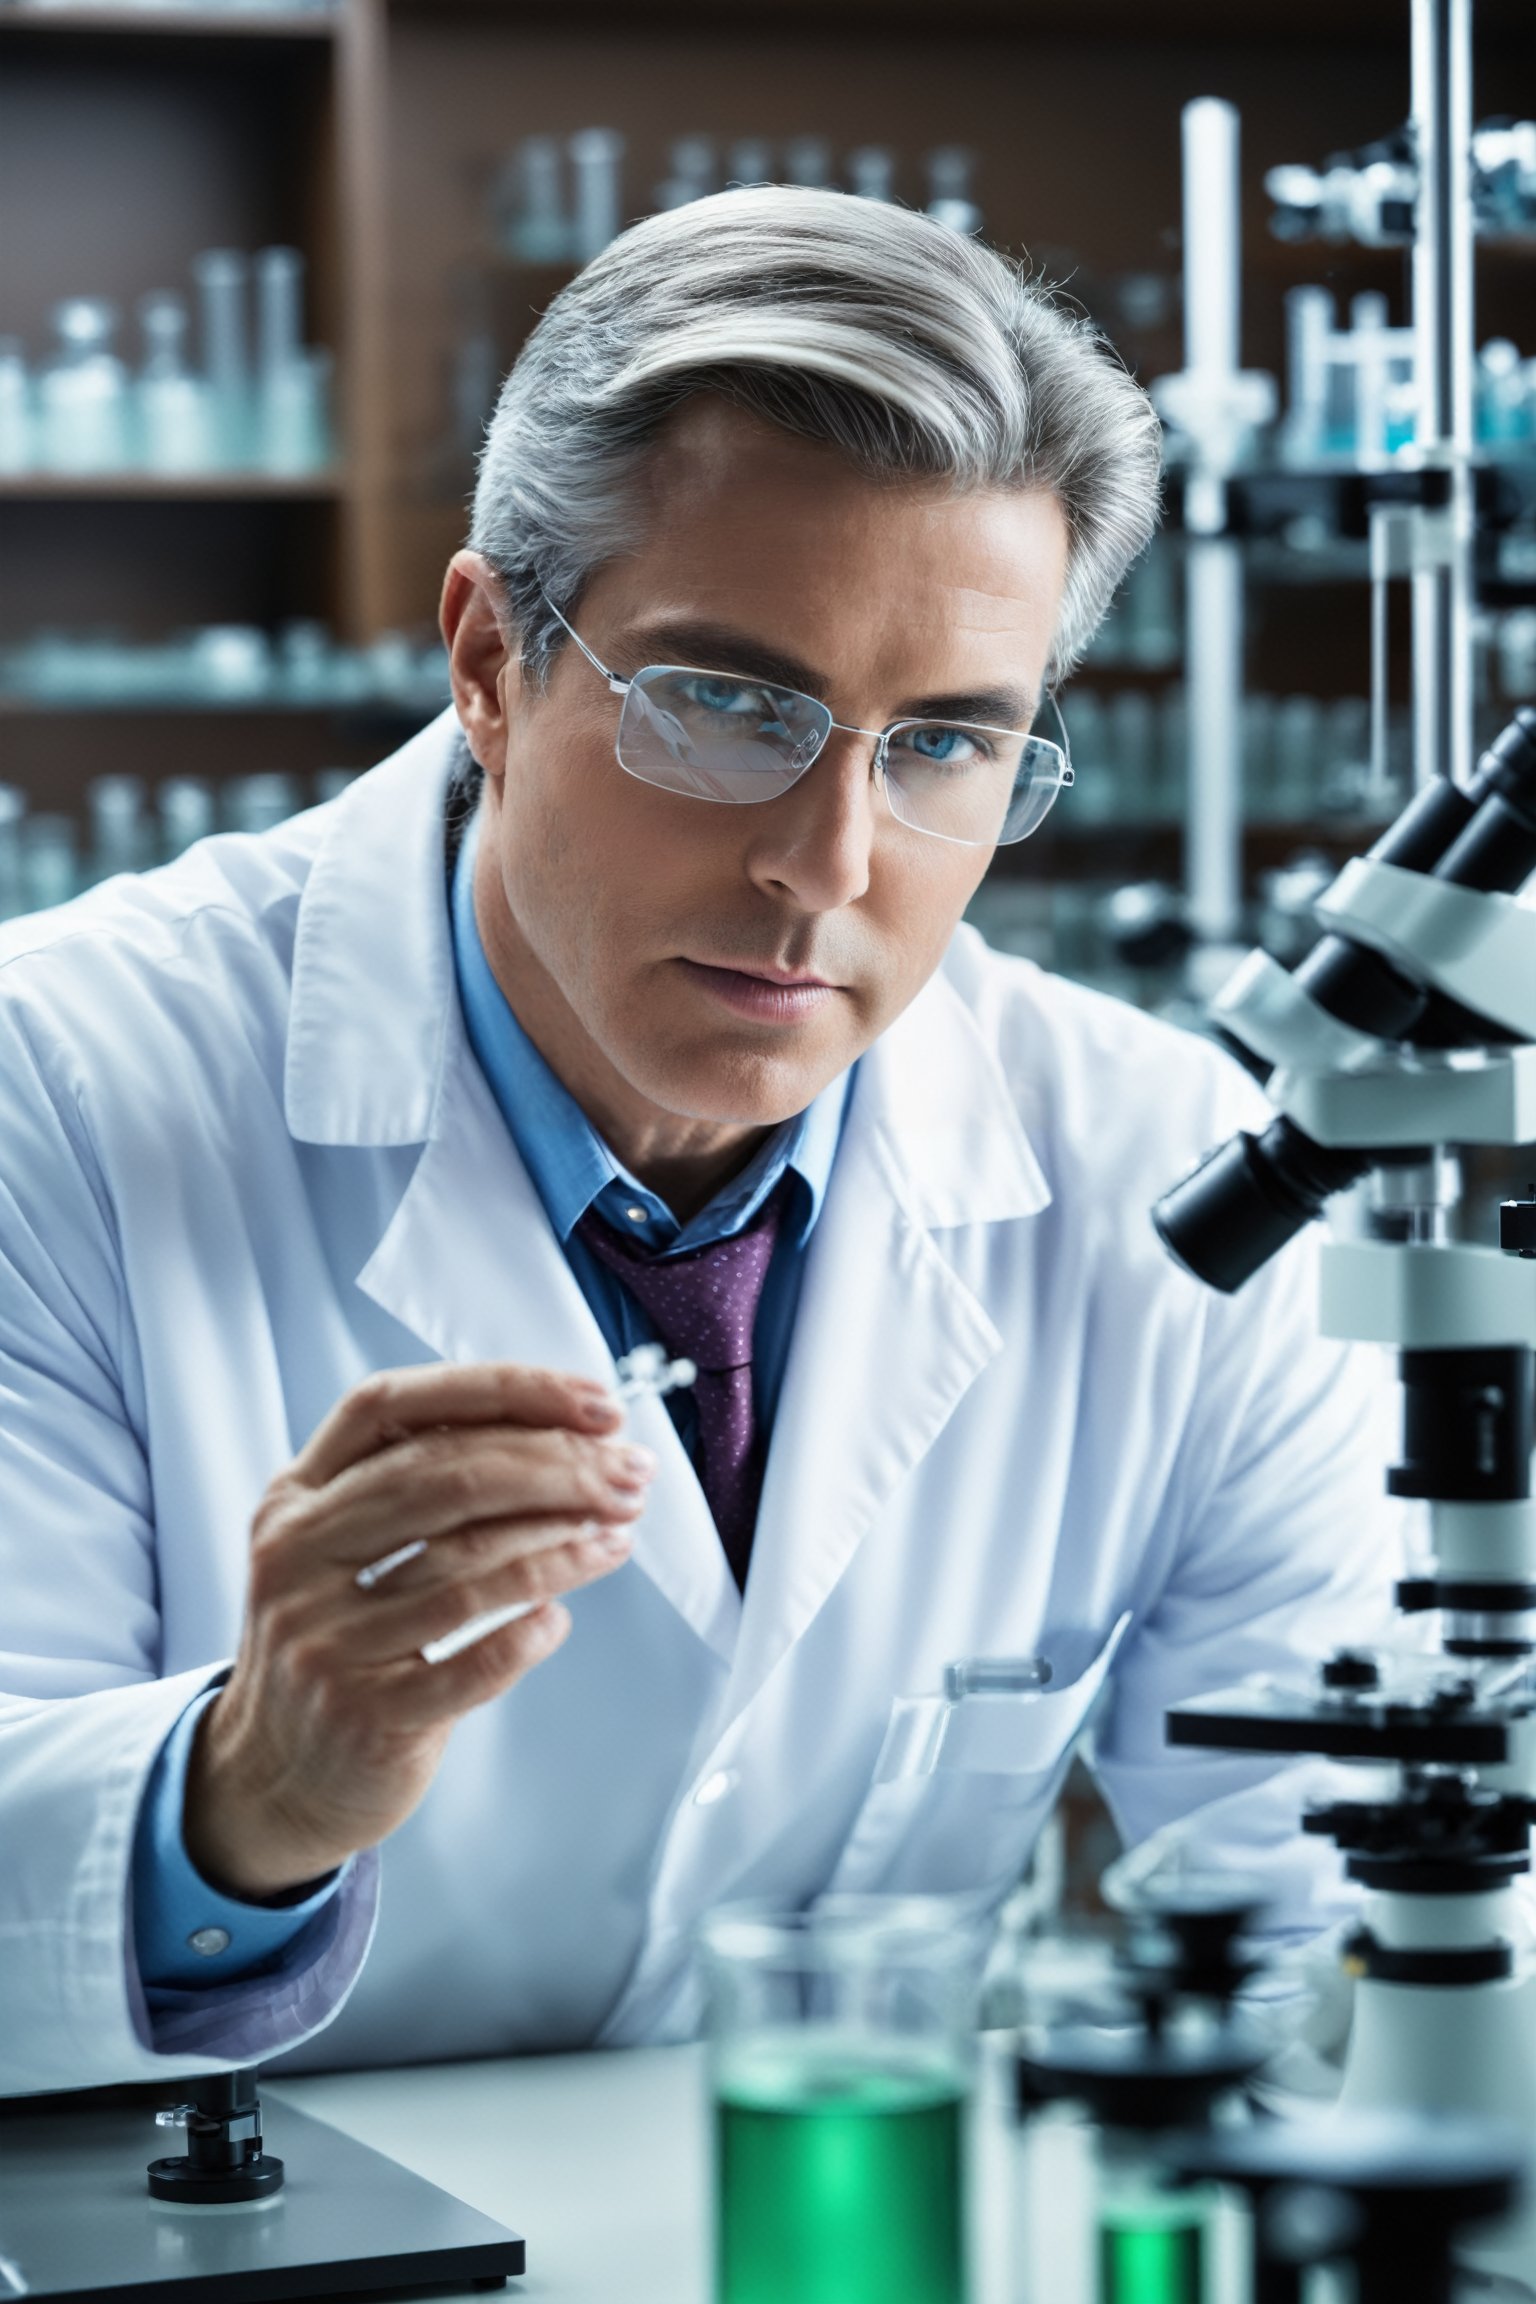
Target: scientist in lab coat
630,1001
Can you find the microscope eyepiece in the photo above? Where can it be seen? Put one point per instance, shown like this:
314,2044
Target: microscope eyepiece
1248,1198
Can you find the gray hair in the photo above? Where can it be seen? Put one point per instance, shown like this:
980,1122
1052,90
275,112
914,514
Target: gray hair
915,352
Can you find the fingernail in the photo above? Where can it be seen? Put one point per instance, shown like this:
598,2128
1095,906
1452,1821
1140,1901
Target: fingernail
615,1540
595,1406
628,1467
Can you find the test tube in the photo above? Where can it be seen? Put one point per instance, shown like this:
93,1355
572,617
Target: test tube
1309,321
1368,346
596,157
221,276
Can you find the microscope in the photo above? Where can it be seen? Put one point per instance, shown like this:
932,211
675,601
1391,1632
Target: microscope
1406,1036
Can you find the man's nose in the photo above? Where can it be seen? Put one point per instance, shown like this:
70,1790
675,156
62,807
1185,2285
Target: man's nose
814,842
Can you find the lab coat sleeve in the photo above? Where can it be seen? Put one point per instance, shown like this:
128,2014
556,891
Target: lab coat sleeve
1276,1543
83,1712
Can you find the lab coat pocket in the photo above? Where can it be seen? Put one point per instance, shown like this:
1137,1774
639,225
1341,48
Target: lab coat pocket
960,1789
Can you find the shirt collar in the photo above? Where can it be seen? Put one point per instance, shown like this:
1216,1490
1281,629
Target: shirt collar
571,1166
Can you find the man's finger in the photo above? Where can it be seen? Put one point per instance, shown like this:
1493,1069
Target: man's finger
397,1402
444,1485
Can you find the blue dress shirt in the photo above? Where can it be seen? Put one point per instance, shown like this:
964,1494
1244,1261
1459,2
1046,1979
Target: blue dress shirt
186,1933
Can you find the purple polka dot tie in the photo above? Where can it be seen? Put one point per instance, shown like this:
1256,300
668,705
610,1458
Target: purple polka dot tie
703,1306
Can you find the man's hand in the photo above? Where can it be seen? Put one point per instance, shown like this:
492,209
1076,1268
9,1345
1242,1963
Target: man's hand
331,1726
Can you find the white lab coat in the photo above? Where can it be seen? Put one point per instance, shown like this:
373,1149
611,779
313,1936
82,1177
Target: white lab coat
246,1156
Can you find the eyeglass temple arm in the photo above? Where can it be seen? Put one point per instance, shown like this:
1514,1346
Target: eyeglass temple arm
619,687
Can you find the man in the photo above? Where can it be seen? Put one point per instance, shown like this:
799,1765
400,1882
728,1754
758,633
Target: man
629,1003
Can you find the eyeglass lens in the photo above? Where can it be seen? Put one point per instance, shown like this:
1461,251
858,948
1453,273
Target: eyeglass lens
715,737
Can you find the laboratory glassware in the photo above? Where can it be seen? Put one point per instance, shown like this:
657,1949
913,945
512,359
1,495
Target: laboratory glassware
222,277
119,831
13,809
691,172
175,431
842,2072
597,158
83,400
185,806
872,173
808,161
950,171
292,414
17,446
528,203
50,861
750,161
258,803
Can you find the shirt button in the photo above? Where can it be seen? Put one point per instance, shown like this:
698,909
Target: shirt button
635,1215
209,1941
715,1787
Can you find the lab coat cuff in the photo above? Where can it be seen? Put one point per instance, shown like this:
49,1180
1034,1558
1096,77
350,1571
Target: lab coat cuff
187,1933
258,2017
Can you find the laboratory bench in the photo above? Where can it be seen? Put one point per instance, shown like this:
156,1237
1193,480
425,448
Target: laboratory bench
601,2162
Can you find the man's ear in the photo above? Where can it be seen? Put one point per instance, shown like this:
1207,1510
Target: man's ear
484,666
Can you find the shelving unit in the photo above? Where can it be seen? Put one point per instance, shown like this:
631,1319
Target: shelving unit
368,135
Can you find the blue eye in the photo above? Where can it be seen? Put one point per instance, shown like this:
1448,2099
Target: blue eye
936,746
712,692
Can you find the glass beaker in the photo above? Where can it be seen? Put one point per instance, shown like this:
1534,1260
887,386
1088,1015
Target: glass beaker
843,2057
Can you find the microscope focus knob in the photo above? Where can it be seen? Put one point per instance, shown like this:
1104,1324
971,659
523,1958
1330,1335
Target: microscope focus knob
1350,1668
1517,1227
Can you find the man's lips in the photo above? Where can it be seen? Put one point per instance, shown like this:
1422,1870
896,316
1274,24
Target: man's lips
776,995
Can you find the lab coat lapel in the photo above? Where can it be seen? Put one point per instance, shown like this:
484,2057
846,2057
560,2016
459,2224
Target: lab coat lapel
378,1054
470,1263
888,1337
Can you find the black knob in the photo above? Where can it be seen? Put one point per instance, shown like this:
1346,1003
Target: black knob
1350,1669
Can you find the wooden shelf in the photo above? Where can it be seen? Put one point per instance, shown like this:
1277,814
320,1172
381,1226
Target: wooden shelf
182,23
1227,20
171,487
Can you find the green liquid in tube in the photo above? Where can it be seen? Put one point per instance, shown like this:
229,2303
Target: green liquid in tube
840,2182
1158,2261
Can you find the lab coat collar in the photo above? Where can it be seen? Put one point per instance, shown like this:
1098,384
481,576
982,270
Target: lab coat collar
373,991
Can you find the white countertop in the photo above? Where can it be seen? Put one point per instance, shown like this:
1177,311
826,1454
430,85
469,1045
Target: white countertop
601,2162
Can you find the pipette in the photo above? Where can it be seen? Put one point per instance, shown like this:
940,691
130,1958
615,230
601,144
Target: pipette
647,1369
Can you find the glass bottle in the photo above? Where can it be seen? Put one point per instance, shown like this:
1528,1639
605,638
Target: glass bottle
222,275
84,395
174,429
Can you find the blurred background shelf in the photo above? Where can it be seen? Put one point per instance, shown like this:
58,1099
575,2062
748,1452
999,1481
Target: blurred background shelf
173,23
370,136
171,487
